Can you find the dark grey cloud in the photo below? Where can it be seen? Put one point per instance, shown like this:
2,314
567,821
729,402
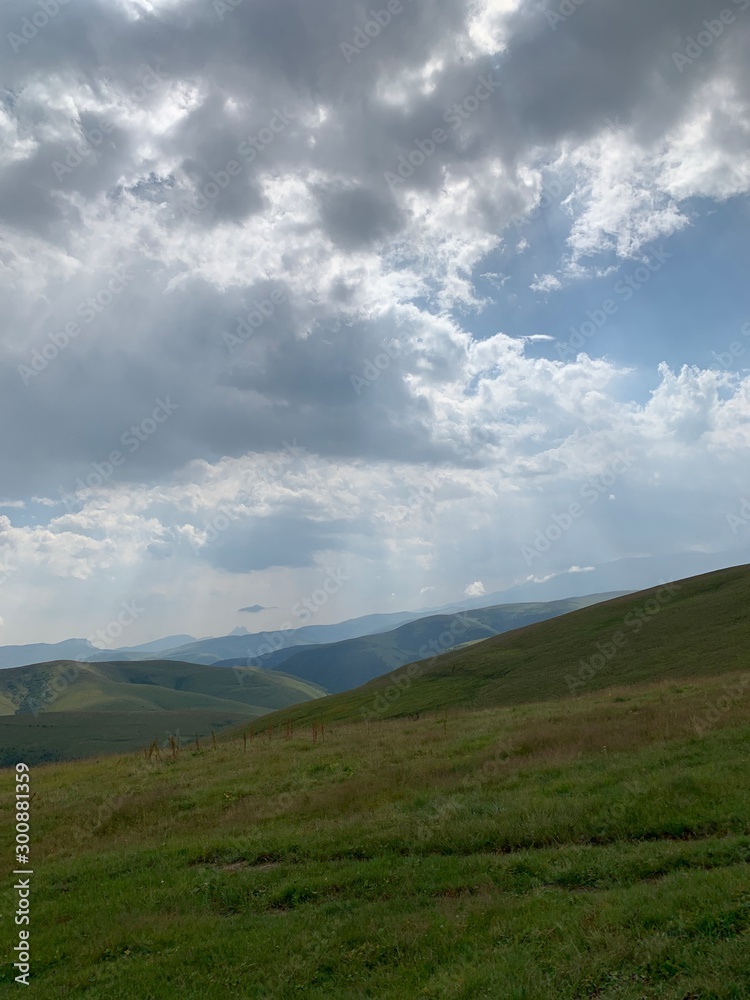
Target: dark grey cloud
609,59
292,379
355,218
284,540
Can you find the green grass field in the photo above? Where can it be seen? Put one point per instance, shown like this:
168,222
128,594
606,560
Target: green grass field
97,708
692,628
594,846
57,736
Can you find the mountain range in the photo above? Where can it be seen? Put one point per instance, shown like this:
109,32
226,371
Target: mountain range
70,708
622,575
342,665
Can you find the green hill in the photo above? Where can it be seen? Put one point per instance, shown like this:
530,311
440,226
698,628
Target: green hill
597,847
527,833
692,628
342,665
68,709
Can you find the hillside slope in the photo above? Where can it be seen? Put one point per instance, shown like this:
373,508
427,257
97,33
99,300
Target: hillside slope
53,711
695,627
341,666
64,686
595,847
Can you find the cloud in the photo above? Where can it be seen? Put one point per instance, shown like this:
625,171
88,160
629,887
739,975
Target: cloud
475,589
547,283
253,609
234,170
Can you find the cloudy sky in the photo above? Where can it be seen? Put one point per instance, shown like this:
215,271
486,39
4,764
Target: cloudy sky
301,300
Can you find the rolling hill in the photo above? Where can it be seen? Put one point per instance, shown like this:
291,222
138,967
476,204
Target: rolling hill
67,708
560,811
240,645
342,665
695,627
584,847
188,649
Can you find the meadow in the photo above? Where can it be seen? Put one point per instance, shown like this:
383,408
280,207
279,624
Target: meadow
596,847
523,818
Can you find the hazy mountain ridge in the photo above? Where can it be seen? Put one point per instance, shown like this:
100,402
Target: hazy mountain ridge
623,575
698,627
252,646
343,665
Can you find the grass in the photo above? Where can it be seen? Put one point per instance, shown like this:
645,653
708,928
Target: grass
57,736
339,666
595,847
693,628
489,829
95,708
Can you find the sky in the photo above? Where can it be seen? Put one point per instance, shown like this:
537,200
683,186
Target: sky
314,310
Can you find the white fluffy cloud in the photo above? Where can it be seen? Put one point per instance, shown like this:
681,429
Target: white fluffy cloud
343,395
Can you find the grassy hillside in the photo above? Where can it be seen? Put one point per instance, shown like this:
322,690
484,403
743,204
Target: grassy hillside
67,709
342,665
596,847
57,736
692,628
